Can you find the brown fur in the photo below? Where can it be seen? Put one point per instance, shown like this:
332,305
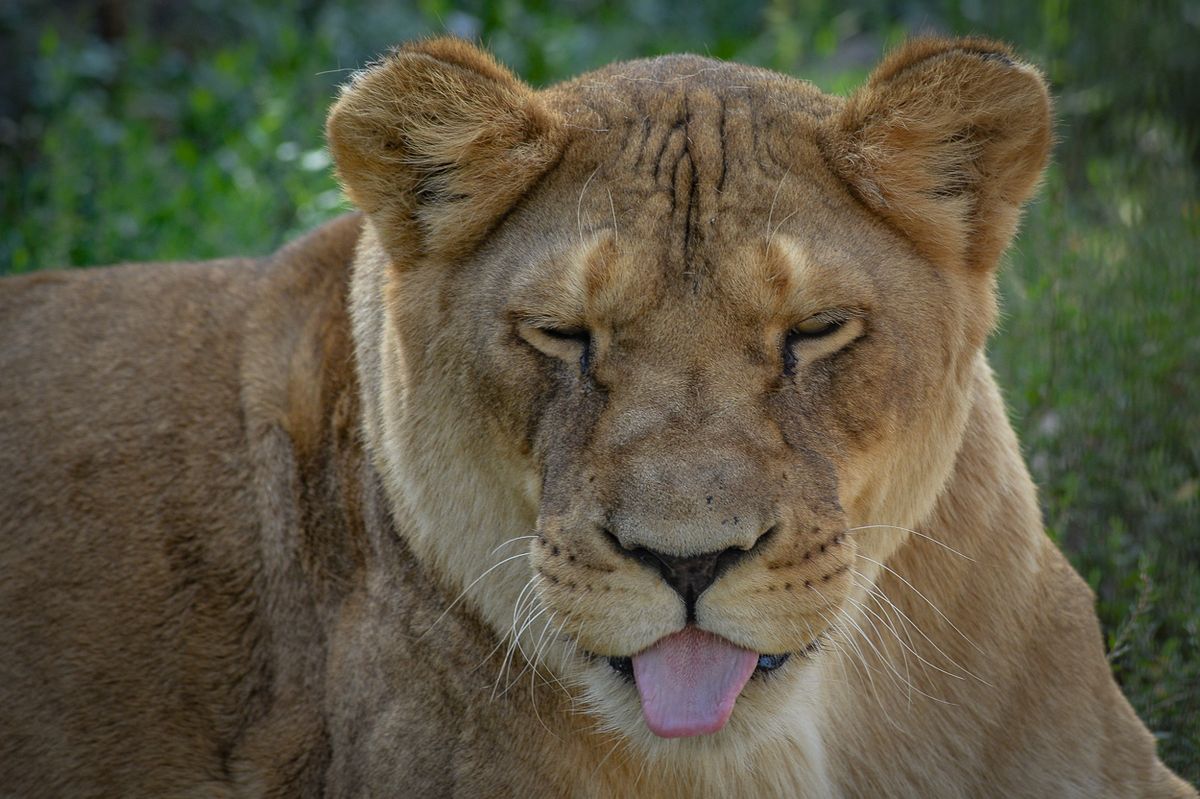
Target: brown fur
251,508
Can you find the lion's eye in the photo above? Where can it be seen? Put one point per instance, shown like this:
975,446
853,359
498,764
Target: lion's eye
566,342
817,325
816,331
573,334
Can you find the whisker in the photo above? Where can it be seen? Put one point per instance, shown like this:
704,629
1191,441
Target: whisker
834,628
533,609
533,686
543,643
530,662
879,656
522,605
511,541
613,210
926,536
822,642
880,595
883,643
774,197
459,598
893,621
579,204
848,639
502,639
554,677
513,648
527,596
936,609
533,662
885,604
907,681
778,225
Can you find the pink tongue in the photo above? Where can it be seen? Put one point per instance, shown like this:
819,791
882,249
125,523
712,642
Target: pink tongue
689,681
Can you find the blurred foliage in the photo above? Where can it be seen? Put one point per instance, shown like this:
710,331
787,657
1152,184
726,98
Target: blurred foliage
169,130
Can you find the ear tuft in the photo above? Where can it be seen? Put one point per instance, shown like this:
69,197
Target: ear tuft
946,141
435,142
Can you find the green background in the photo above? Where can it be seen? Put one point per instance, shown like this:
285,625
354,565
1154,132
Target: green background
170,130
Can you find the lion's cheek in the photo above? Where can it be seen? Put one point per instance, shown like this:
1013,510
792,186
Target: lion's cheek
605,610
784,602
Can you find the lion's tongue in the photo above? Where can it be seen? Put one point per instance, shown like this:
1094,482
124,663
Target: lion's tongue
689,681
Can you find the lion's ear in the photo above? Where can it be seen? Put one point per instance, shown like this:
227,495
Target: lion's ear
946,141
436,142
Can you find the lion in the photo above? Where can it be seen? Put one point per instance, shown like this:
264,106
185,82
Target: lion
634,438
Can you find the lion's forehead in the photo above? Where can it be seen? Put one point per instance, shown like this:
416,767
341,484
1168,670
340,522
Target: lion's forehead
692,129
693,166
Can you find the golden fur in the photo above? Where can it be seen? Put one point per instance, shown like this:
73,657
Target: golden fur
357,518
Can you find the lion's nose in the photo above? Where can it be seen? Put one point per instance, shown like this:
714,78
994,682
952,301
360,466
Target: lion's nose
689,575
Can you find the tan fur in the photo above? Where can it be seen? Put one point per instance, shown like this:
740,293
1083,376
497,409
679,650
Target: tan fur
348,519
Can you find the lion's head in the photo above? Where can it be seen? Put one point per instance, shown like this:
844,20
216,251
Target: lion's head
679,347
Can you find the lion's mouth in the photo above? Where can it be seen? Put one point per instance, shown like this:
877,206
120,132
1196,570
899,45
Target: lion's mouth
689,681
766,663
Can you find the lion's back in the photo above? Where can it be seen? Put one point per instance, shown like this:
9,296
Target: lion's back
119,427
159,423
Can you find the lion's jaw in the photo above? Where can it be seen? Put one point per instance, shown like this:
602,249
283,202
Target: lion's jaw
600,376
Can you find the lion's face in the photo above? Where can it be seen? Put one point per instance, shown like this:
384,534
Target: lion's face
705,431
690,360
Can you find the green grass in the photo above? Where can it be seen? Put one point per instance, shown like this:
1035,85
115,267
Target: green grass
1098,353
198,134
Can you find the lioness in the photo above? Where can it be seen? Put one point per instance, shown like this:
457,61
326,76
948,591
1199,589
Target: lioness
636,440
